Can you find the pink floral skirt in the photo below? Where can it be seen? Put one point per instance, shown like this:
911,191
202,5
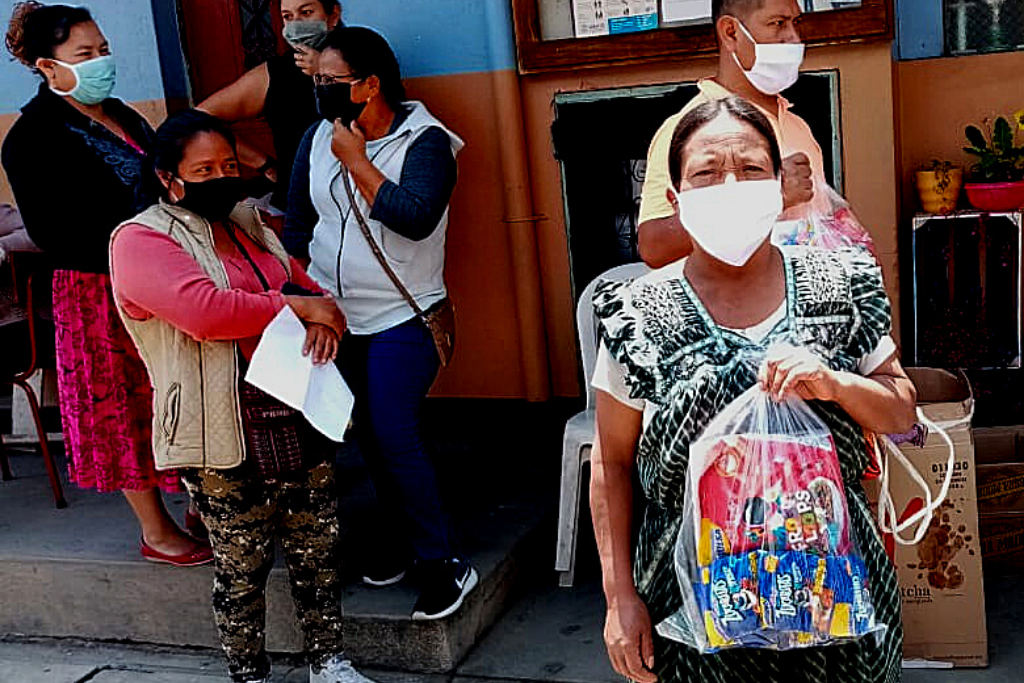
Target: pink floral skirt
106,401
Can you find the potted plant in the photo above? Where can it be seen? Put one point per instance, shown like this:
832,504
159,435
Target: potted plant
938,186
996,180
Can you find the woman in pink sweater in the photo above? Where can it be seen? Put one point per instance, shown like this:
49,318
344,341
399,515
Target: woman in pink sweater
181,306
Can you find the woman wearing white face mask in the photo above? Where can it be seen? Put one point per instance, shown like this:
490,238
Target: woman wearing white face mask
674,352
75,161
281,91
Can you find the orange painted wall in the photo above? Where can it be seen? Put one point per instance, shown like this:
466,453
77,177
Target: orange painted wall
866,82
478,268
937,98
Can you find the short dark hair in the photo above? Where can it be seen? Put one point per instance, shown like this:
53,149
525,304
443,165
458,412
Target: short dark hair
733,8
698,117
368,54
174,134
329,5
36,30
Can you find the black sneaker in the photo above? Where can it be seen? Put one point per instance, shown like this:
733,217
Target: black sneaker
446,583
384,571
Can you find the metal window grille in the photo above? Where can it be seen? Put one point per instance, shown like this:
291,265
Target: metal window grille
974,26
258,38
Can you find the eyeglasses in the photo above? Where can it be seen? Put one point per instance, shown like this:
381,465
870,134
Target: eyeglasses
324,79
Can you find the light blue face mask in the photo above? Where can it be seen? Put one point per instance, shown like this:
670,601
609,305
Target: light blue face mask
94,79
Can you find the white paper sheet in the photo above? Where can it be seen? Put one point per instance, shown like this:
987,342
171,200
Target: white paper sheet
602,17
318,391
685,10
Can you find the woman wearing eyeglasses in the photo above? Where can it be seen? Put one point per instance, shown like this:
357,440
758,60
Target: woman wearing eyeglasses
398,162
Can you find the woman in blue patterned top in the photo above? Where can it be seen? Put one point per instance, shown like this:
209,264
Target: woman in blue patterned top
676,348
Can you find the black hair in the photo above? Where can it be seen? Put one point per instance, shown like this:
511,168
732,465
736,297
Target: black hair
36,30
173,136
368,54
732,8
698,117
329,5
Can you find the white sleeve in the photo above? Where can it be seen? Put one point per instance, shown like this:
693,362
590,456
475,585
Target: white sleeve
869,363
610,377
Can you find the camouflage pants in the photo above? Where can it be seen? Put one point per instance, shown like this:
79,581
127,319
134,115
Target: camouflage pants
245,515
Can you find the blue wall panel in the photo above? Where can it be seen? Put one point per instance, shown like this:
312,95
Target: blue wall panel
441,37
919,29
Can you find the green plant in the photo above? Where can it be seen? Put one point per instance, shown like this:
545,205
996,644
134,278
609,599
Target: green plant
1000,159
941,169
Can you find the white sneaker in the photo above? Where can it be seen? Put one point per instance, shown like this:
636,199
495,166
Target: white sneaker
336,670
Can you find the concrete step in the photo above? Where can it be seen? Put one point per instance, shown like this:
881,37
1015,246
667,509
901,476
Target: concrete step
77,572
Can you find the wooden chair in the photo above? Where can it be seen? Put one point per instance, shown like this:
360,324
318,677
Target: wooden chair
22,344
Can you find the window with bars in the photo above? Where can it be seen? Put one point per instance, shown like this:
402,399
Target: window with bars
259,41
974,26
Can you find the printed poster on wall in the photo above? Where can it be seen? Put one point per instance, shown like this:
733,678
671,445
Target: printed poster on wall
610,17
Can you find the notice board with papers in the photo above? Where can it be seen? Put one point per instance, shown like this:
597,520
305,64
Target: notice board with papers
563,34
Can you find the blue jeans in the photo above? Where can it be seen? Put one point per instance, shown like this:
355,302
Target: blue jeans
390,374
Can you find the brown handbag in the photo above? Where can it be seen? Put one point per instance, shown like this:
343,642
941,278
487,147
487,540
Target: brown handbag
277,436
439,318
280,440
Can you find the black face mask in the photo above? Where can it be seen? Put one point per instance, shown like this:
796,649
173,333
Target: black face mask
334,101
213,199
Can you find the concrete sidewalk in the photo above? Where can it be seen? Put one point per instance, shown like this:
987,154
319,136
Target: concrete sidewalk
550,635
547,635
77,573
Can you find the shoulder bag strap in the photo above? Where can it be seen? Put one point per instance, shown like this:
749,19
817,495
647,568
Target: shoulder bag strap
381,258
230,230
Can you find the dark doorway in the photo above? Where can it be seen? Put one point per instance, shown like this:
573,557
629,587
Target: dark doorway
601,139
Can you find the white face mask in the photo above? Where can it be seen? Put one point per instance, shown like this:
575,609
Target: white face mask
776,65
732,220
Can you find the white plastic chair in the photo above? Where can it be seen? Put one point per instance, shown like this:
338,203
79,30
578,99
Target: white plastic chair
579,430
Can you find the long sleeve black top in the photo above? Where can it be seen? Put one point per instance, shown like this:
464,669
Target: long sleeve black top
75,181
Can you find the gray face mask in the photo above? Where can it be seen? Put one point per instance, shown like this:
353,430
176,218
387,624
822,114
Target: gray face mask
306,33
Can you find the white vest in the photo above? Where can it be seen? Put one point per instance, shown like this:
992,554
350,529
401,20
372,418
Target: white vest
342,262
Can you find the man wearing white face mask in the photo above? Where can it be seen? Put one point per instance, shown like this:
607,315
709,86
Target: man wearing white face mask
760,53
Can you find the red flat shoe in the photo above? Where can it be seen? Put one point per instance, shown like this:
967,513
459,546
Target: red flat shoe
201,555
195,527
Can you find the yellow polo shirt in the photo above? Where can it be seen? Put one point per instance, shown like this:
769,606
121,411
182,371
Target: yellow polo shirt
793,133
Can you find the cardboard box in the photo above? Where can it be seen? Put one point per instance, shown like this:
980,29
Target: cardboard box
997,445
1001,488
941,579
1002,539
1001,495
